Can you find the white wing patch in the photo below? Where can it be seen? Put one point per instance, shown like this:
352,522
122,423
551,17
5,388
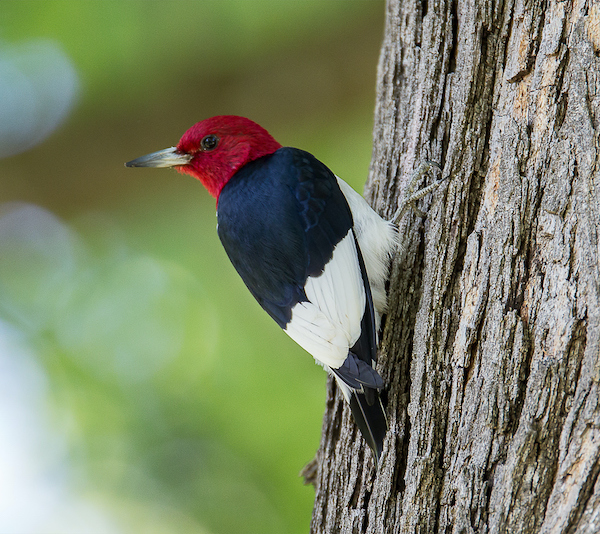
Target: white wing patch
377,239
329,323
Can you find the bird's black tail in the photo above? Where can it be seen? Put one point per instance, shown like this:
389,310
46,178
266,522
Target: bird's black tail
370,419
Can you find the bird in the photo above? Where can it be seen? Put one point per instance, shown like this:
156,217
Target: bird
308,247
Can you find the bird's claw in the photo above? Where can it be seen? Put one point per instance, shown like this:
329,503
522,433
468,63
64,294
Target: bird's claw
410,197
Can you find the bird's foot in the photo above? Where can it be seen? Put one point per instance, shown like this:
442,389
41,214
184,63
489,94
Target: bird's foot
411,196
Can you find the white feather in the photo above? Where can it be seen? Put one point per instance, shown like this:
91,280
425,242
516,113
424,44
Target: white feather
344,388
377,239
328,324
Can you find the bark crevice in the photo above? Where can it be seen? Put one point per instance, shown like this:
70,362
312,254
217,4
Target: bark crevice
491,346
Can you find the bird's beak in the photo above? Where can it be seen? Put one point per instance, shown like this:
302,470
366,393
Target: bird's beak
169,157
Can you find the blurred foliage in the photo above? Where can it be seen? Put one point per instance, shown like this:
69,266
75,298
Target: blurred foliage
154,394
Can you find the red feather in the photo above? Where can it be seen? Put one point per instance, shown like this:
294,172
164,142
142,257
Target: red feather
240,141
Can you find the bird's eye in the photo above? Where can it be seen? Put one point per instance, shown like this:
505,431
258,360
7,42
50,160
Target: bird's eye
209,142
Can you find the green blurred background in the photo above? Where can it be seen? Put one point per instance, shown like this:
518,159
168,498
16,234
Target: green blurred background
141,387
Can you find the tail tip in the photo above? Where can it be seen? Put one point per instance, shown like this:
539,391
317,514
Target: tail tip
371,421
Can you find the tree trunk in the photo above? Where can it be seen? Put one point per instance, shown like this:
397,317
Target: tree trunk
490,349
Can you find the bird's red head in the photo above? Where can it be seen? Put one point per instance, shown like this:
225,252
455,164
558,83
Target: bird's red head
220,146
213,150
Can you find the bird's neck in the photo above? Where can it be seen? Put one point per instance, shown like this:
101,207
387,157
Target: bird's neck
232,164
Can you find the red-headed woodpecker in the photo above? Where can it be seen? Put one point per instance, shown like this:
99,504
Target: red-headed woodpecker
308,247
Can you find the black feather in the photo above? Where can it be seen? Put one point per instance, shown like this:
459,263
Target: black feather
371,421
279,219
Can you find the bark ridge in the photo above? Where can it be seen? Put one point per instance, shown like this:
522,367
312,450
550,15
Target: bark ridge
491,348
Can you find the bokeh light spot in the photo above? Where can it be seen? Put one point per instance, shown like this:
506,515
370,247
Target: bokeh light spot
38,88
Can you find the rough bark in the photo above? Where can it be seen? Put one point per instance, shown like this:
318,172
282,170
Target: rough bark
491,346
